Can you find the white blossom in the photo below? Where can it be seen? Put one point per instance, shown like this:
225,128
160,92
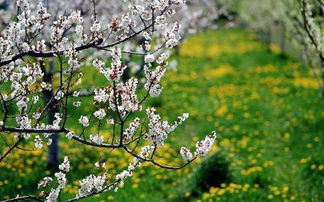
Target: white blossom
41,46
44,182
53,195
70,135
159,130
61,178
203,146
77,104
100,165
155,90
185,153
100,113
24,122
35,99
22,104
149,58
117,67
100,95
84,121
98,139
65,166
76,94
153,79
91,184
59,95
38,142
129,132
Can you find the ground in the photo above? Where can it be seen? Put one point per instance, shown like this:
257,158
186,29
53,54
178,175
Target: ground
265,107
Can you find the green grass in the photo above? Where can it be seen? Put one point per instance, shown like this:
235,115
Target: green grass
267,111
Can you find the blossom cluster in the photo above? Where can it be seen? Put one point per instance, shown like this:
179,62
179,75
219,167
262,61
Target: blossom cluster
202,148
153,79
145,152
91,184
158,129
117,67
61,181
130,131
301,22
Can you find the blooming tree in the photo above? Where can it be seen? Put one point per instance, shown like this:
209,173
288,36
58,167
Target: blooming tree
313,27
302,21
193,16
261,16
46,54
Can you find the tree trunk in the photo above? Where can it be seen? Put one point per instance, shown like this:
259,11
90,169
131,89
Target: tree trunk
53,149
268,37
48,96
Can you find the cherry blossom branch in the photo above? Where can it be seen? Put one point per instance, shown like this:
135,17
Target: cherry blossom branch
44,54
80,48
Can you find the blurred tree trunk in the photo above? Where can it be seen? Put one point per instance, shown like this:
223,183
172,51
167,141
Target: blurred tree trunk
142,64
283,39
126,74
268,38
141,69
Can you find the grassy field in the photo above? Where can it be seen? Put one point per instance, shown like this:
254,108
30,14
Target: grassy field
266,109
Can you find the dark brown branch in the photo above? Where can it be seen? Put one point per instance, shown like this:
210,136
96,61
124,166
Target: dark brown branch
95,192
10,150
80,48
62,130
25,198
43,54
30,130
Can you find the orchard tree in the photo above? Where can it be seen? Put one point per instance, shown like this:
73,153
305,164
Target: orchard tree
196,16
313,20
46,54
260,16
193,16
302,21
